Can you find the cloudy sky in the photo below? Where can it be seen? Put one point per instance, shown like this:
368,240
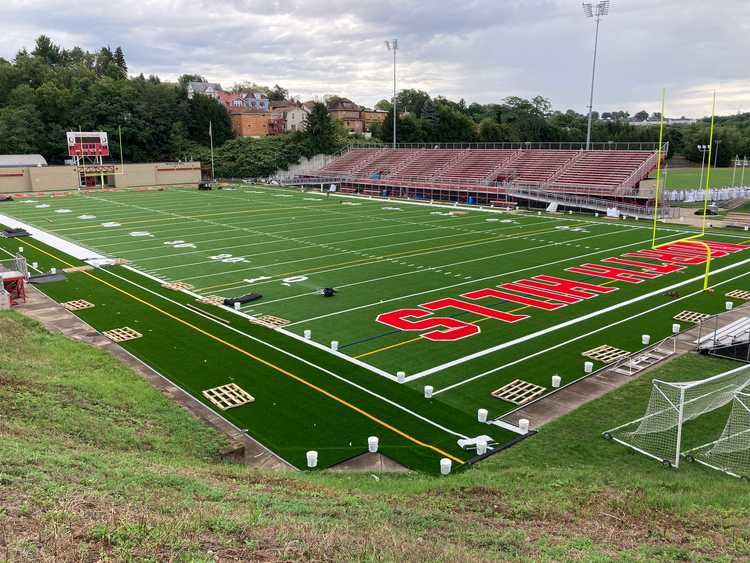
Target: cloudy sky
480,50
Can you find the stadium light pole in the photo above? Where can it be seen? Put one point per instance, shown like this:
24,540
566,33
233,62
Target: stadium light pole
704,150
590,10
393,46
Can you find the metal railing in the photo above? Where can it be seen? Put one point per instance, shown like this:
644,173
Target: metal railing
607,146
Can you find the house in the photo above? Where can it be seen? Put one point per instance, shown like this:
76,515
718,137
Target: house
210,89
373,116
293,113
350,113
256,123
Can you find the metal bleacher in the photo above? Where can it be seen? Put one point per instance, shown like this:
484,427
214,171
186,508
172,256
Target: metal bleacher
542,173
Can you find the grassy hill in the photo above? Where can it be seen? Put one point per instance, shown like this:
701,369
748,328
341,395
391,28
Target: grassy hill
97,465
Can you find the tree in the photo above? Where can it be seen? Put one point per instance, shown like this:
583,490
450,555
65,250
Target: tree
383,105
430,115
278,94
641,115
490,131
321,130
203,110
184,79
46,51
119,60
412,101
21,130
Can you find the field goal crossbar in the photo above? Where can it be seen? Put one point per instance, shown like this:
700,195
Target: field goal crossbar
659,433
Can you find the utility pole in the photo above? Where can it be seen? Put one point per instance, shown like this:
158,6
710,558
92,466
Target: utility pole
393,46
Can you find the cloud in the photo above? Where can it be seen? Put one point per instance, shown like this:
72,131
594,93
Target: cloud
479,50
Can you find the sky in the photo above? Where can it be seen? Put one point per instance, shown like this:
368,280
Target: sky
478,50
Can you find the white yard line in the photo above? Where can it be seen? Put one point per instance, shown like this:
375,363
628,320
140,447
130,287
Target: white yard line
571,322
579,337
474,281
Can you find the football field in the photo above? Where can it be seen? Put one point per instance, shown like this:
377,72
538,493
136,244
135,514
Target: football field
463,300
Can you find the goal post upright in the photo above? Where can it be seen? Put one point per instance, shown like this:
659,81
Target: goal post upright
708,164
658,168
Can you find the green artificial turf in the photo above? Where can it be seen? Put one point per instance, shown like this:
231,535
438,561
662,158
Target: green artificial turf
380,256
690,178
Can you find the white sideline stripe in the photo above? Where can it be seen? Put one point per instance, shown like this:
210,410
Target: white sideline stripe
579,337
70,248
475,280
426,269
285,352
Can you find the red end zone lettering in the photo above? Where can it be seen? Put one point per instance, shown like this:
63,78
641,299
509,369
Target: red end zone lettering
611,273
456,329
567,287
661,268
472,308
489,292
669,256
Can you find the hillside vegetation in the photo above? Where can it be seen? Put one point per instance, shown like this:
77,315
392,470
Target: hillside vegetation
96,465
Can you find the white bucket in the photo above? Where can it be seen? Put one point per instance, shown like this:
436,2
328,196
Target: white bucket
523,426
308,334
481,447
556,381
428,391
372,444
729,305
237,306
401,376
334,345
645,339
445,466
588,367
482,415
676,328
53,270
312,458
20,249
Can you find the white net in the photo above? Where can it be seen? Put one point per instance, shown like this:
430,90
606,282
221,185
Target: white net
658,433
731,452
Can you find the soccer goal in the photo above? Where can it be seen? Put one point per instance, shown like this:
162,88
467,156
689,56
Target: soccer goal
659,432
731,452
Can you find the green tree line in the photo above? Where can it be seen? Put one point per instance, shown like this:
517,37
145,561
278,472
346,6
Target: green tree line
423,119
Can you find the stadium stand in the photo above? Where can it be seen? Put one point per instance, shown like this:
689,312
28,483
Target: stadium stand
566,175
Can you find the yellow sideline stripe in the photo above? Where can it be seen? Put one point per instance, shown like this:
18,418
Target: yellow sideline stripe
262,361
410,253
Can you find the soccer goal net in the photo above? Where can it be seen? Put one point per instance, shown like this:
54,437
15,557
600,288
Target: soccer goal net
659,432
731,452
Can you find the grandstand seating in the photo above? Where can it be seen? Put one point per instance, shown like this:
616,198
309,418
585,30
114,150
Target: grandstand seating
600,172
603,168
